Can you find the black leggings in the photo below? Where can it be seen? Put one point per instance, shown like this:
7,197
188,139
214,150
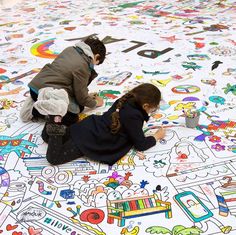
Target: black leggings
67,120
62,149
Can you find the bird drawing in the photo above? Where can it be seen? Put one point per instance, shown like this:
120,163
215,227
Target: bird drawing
216,64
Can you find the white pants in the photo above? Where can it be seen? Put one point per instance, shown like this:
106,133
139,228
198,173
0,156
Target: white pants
50,101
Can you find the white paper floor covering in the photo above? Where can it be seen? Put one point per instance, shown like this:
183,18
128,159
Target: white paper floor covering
186,184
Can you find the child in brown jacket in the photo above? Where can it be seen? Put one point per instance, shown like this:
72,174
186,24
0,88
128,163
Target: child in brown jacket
61,87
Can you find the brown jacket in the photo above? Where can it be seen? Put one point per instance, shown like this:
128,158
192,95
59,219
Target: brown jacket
71,71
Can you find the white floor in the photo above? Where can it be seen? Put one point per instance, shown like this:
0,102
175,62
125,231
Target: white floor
8,3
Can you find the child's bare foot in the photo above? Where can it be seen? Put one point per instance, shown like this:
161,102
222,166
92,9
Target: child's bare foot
54,119
57,119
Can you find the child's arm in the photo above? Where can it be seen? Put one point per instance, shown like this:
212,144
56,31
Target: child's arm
133,126
81,92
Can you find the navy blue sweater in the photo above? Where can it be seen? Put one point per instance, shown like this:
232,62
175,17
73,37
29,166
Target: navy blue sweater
94,139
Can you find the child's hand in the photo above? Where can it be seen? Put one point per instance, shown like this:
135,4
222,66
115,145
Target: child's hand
93,95
141,155
160,134
99,100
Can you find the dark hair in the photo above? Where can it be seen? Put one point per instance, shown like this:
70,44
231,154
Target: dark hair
97,47
143,94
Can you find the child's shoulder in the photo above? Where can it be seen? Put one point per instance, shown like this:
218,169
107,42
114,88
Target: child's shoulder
130,109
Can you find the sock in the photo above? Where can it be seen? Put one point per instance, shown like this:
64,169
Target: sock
54,129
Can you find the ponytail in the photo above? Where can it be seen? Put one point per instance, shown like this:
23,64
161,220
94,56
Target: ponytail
115,116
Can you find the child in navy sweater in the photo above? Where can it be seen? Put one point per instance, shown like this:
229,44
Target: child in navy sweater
107,138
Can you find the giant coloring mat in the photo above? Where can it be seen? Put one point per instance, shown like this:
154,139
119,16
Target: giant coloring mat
184,185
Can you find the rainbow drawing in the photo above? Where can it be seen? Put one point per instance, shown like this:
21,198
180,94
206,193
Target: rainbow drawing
41,49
